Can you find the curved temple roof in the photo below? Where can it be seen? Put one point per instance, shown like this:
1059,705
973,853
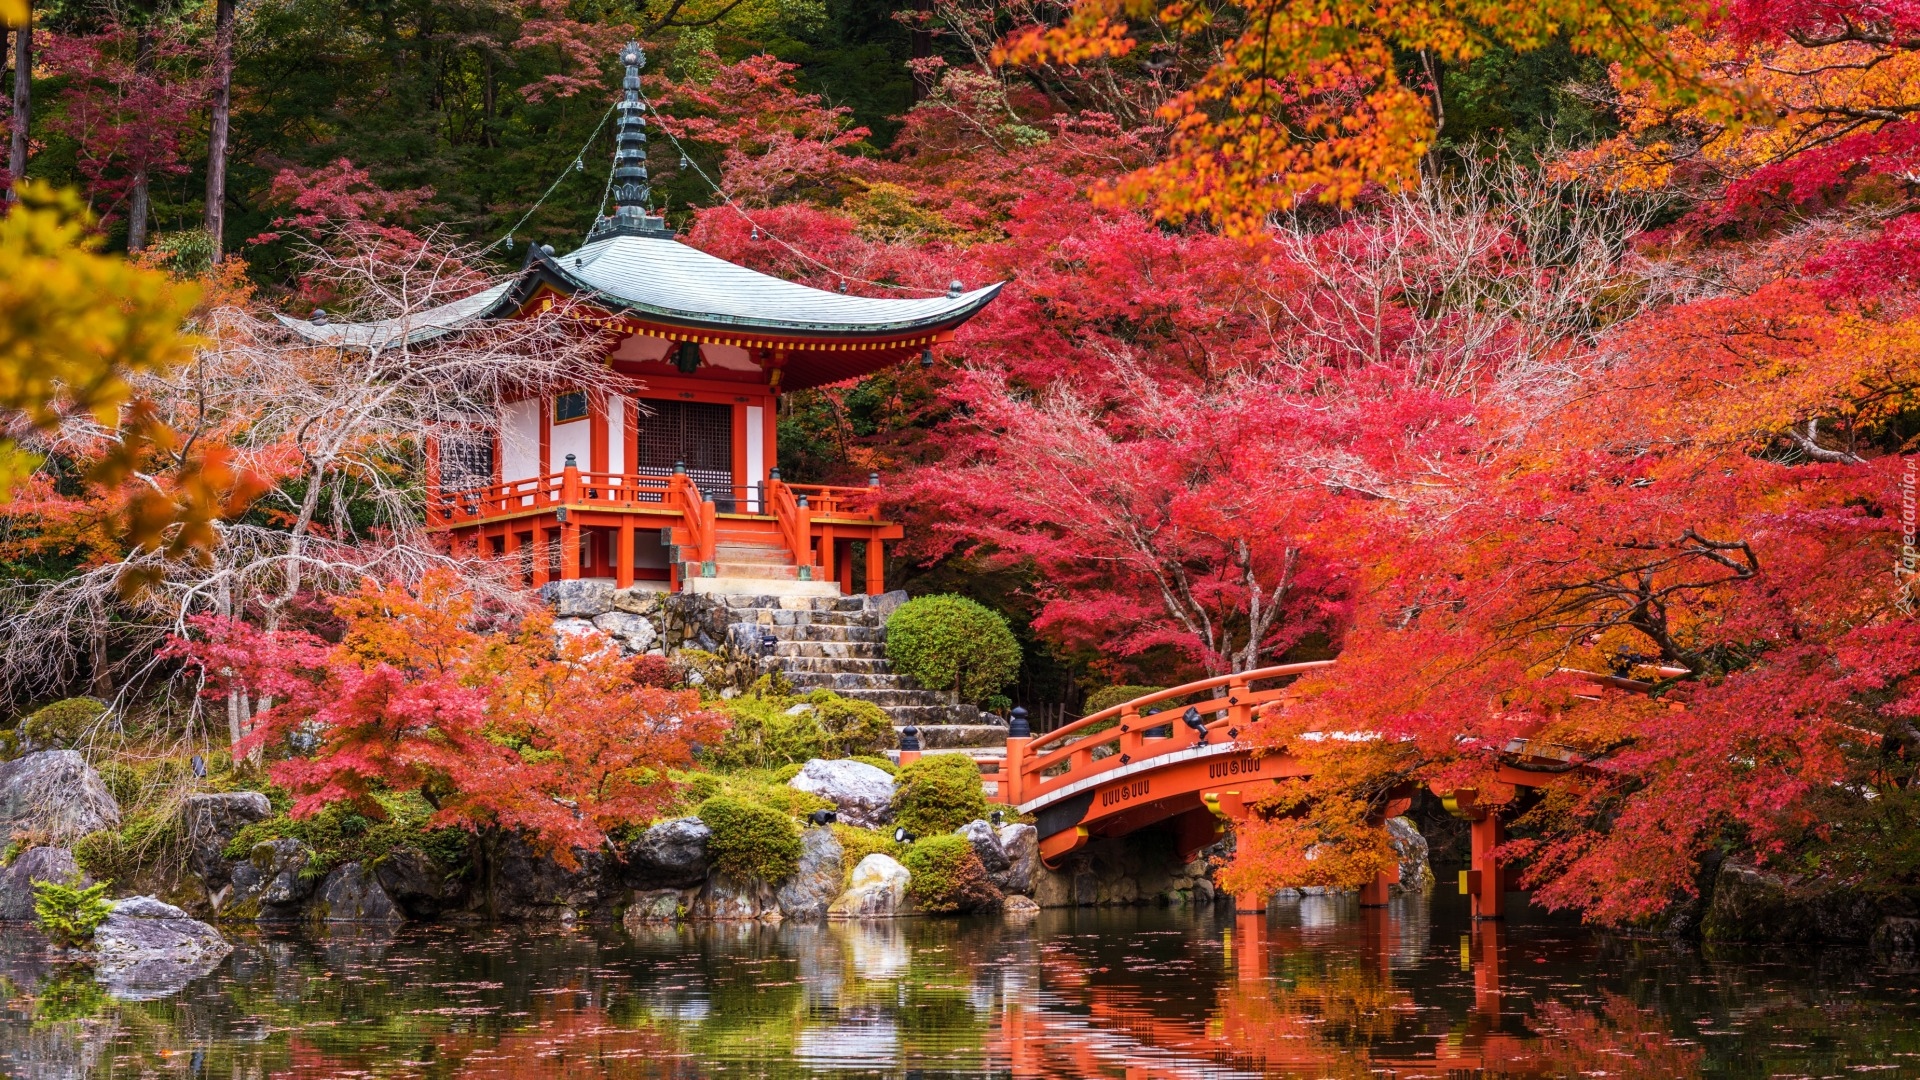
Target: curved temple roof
660,280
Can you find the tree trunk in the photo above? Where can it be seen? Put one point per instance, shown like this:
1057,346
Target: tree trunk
22,102
222,110
139,201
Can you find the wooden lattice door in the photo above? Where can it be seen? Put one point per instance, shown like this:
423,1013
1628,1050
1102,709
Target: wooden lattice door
695,433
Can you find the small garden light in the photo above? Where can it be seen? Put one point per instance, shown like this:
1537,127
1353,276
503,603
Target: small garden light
823,817
902,836
1192,719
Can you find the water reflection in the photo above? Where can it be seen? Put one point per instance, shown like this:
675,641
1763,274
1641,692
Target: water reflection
1321,988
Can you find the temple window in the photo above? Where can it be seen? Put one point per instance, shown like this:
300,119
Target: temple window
570,406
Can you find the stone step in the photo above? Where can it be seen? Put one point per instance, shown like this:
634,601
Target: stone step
770,571
924,716
789,617
752,558
831,649
723,585
822,604
858,665
828,632
962,737
847,680
890,698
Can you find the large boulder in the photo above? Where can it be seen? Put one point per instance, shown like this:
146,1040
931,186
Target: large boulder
635,632
583,598
669,855
1416,876
877,890
1021,845
727,899
56,795
986,845
31,865
537,886
861,793
1751,904
272,882
148,949
812,887
352,894
209,822
656,906
421,887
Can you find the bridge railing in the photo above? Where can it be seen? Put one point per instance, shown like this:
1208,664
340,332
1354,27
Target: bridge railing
1218,709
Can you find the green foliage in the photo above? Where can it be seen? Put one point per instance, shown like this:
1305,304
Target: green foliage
953,643
143,840
71,994
786,772
878,762
63,723
697,788
857,843
948,875
938,794
340,834
1108,696
69,913
768,733
749,840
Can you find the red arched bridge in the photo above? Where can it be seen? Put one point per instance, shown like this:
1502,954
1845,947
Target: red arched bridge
1177,756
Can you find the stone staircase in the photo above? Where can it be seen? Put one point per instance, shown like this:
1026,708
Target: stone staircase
745,563
838,643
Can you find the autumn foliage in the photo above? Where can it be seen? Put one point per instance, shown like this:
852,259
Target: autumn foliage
502,730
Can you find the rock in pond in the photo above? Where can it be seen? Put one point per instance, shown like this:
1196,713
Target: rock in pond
535,885
1021,843
419,885
861,793
31,865
149,949
669,855
656,906
727,900
1416,877
208,822
878,890
55,794
272,879
813,886
987,846
352,894
1019,907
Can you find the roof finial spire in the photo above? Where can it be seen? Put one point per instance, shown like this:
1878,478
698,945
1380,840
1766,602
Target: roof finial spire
632,195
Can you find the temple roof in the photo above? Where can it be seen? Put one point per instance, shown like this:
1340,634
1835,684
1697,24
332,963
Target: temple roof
660,280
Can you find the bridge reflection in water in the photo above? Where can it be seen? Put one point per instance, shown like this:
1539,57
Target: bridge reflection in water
1326,988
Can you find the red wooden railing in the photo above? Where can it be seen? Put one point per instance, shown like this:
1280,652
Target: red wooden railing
795,521
1222,706
699,514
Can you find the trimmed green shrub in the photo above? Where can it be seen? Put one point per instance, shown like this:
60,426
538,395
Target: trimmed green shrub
340,834
70,913
878,762
948,875
853,728
938,794
786,772
1107,697
953,643
63,723
750,841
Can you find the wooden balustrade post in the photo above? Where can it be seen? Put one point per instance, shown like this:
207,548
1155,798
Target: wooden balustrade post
623,566
1019,734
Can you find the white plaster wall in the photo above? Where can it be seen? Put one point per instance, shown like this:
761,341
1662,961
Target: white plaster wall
520,440
642,347
616,434
573,437
756,452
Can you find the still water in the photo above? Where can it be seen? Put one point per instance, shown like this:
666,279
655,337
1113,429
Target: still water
1323,990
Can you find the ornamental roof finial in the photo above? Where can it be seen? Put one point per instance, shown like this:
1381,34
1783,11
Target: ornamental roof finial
632,196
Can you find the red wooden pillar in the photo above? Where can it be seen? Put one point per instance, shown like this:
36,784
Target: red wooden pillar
510,549
569,551
1377,892
846,571
1483,878
623,565
540,561
1249,941
876,567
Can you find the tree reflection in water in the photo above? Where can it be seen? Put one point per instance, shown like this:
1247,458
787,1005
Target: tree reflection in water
1319,989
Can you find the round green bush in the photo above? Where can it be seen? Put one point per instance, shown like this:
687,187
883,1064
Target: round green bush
878,762
938,794
1108,696
953,643
786,772
62,724
852,728
750,841
948,876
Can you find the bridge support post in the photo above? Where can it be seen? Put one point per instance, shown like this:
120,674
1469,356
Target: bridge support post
1250,939
1377,892
1483,878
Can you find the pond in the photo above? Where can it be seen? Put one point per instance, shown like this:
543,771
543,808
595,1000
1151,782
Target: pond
1323,989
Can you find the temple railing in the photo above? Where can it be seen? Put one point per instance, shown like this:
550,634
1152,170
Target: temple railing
795,521
1147,727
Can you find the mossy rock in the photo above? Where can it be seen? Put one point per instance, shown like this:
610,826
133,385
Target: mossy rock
750,841
62,724
948,875
938,794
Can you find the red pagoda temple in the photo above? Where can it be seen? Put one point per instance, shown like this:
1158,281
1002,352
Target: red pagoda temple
673,480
